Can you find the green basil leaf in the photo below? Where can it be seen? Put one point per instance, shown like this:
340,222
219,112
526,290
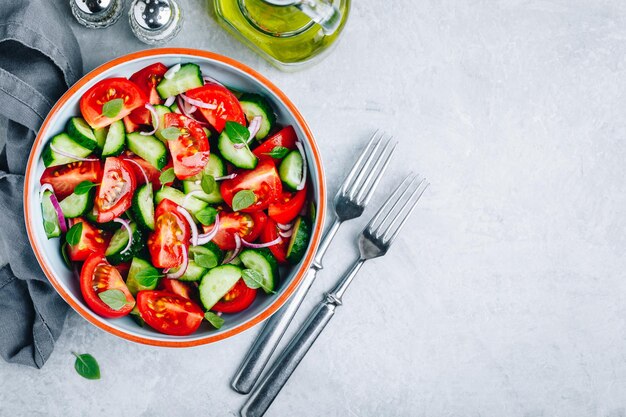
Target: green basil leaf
84,187
86,366
208,183
112,107
215,320
65,256
167,176
243,199
116,299
237,133
74,234
205,260
147,278
278,152
254,279
171,133
206,216
49,227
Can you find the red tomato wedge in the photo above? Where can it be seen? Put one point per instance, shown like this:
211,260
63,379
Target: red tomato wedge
228,107
170,237
269,234
93,100
64,178
262,180
92,240
237,299
148,78
247,225
285,137
184,289
116,190
190,152
169,313
288,206
97,276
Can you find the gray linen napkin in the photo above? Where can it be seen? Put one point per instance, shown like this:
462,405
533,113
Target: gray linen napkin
39,59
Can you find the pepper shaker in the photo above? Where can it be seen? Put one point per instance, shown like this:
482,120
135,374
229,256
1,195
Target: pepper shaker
155,21
96,14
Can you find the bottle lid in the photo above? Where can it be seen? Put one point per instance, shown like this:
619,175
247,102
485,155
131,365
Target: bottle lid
96,13
155,21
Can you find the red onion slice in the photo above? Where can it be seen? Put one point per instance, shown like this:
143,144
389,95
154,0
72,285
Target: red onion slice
234,253
56,205
239,145
155,120
182,106
304,166
145,176
171,72
208,79
169,101
253,128
207,237
198,103
69,155
126,226
261,245
226,177
287,233
284,226
192,225
182,268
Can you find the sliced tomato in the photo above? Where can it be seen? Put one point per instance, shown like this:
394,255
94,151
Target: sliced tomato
140,117
64,178
190,152
285,137
262,180
169,313
129,125
269,234
97,276
288,206
227,105
116,190
146,167
148,78
237,299
170,239
94,99
184,289
247,225
92,240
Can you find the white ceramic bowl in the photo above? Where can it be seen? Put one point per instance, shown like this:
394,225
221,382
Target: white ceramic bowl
229,72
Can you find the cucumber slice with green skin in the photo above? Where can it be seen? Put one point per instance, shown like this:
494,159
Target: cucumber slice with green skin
193,205
290,170
194,272
186,78
134,284
241,158
75,205
136,316
174,108
161,112
262,261
299,240
149,148
115,139
257,105
214,167
50,219
81,132
207,256
114,252
216,283
213,198
64,143
143,207
101,135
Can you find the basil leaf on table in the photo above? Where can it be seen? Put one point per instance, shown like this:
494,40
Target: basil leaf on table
86,366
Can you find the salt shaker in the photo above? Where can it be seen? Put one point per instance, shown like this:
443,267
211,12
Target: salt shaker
155,21
96,14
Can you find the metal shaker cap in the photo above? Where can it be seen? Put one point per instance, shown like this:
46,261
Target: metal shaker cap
96,13
155,21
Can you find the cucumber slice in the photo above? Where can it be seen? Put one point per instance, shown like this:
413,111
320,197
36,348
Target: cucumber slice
214,167
213,198
193,205
257,105
149,148
194,272
101,136
174,108
186,78
115,251
241,158
216,283
135,285
299,240
290,170
136,316
50,219
81,132
64,143
115,139
161,112
143,206
207,256
75,205
262,261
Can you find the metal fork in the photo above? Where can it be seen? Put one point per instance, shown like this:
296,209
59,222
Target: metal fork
350,201
374,242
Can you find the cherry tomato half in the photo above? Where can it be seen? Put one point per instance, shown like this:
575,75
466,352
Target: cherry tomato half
98,276
148,78
116,190
237,299
93,100
247,225
228,107
190,152
285,137
169,313
288,206
262,180
270,233
92,240
170,237
64,178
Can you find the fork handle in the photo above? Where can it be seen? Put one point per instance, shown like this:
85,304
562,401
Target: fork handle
264,394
